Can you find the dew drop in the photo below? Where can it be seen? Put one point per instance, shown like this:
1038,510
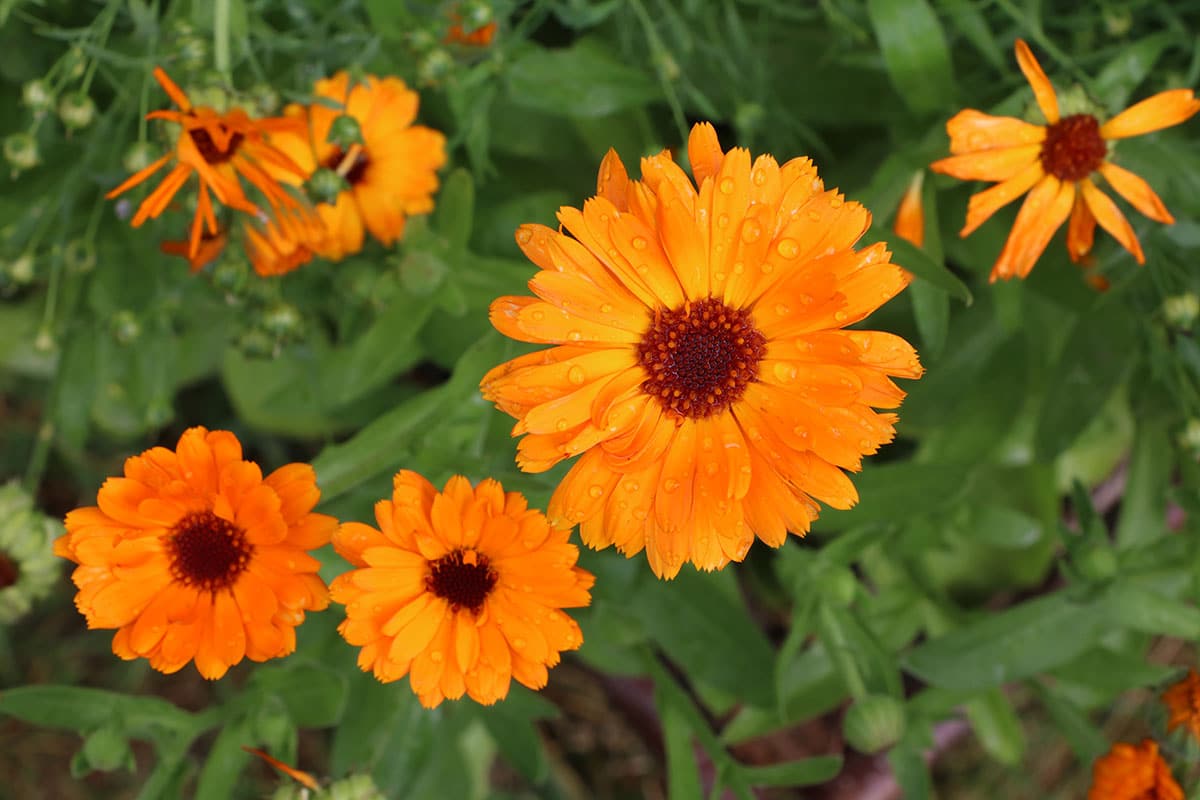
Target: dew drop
606,308
836,201
785,372
537,316
727,186
767,267
437,656
782,309
561,425
524,236
840,316
760,177
723,220
751,231
639,514
814,215
639,243
670,485
576,375
739,268
574,336
596,490
788,248
518,644
711,468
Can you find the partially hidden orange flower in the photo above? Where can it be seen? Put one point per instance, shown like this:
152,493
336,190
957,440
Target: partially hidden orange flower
701,366
910,215
219,149
212,245
1056,164
1183,703
480,36
1133,772
284,242
194,555
390,175
460,589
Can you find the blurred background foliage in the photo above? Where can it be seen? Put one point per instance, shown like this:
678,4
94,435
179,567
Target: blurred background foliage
1017,581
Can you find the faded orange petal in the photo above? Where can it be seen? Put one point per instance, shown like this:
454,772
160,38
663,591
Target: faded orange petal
1043,90
1154,113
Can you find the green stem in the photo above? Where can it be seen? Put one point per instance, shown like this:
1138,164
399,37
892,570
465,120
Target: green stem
221,36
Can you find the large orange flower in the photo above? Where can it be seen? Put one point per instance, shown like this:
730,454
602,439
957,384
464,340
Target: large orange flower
1133,772
193,555
217,148
1183,702
460,589
701,365
391,174
1056,164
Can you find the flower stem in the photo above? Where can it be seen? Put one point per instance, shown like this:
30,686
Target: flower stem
221,36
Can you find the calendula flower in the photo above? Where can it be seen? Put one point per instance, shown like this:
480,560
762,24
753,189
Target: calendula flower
1183,703
390,174
1057,164
194,555
219,149
284,242
211,247
910,216
1133,772
459,589
701,367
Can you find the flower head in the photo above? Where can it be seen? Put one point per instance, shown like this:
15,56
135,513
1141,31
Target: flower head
1183,703
390,174
1133,772
1057,164
701,366
194,555
460,589
219,148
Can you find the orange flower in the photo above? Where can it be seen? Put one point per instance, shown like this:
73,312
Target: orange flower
910,216
211,247
193,555
701,366
284,243
460,589
1183,701
390,175
217,148
476,37
1056,163
1129,772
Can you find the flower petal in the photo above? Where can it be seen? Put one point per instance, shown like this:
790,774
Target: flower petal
1137,192
1045,209
1043,90
1154,113
1111,218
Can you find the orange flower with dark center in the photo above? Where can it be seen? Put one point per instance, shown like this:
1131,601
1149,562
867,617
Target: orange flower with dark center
701,368
461,590
219,149
1183,703
194,555
210,249
910,215
1056,164
1133,772
393,172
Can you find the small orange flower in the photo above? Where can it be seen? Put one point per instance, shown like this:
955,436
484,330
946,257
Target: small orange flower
193,555
1056,164
1133,772
211,247
391,174
284,243
910,216
217,148
459,589
701,364
476,37
1183,702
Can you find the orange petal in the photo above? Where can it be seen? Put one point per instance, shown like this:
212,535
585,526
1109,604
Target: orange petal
1111,218
983,205
1154,113
302,778
1081,231
1043,212
612,181
176,94
998,164
138,177
1137,192
971,131
704,152
1043,90
910,216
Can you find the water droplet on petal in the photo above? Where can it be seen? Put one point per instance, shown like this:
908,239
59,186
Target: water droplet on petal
840,316
437,656
639,243
576,375
760,177
814,215
788,248
670,485
537,316
524,236
751,231
596,490
574,336
606,308
727,186
561,425
782,309
785,372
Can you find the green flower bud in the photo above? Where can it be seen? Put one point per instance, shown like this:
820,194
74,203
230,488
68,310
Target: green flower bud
325,185
106,749
76,110
282,320
1181,310
1117,21
21,151
138,156
125,327
28,566
838,586
230,274
422,40
475,14
435,67
44,341
80,255
74,62
1096,562
256,344
874,723
344,131
21,270
214,97
36,95
1189,437
355,787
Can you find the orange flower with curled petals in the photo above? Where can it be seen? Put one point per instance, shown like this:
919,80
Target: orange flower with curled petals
1133,772
1183,702
1056,164
194,556
701,368
461,589
285,242
910,215
212,245
219,149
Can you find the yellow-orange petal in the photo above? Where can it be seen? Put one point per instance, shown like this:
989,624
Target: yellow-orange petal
1045,210
910,215
998,164
1081,231
1043,90
983,205
1154,113
971,131
1111,219
1137,192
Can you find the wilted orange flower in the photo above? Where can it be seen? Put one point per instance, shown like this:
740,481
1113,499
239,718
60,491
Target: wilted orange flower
1183,702
460,589
1133,772
217,148
285,242
910,216
701,365
390,175
193,555
1056,164
476,37
211,247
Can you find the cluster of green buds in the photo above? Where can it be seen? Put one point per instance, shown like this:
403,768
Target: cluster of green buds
278,325
28,566
355,787
1181,310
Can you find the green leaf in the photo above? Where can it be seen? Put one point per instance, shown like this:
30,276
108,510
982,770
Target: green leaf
997,726
1128,67
82,709
456,208
968,19
931,309
1088,742
583,80
1144,503
1143,609
315,696
1012,644
908,765
804,772
511,723
914,49
378,355
683,776
886,493
919,263
225,762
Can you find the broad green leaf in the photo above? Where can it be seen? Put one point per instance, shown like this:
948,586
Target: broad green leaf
1012,644
914,49
361,740
1143,609
456,208
315,695
919,263
83,709
378,355
1144,503
1098,675
225,761
931,308
908,765
886,493
804,772
511,723
584,80
997,726
1128,68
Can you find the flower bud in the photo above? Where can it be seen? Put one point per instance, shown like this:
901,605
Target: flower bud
1189,437
1181,310
230,274
36,96
80,255
21,151
256,344
837,586
874,723
265,99
435,67
76,110
1096,562
344,131
138,156
282,320
28,566
125,327
355,787
325,185
20,270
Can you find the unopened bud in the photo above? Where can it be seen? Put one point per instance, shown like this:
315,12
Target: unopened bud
80,255
28,566
138,156
1189,437
36,95
76,110
1181,310
325,185
282,320
265,99
125,327
874,723
20,270
21,151
435,67
344,132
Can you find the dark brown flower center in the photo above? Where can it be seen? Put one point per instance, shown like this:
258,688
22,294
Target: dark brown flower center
356,172
1073,147
207,552
9,571
700,357
463,578
208,148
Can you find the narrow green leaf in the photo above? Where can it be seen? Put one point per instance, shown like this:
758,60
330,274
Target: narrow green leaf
1125,71
1084,738
225,762
970,21
914,49
583,80
456,208
683,775
997,726
1143,609
804,772
77,708
1144,503
919,263
908,765
931,309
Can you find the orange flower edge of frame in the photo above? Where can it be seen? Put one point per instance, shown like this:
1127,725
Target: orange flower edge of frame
1133,772
461,590
193,555
700,367
1056,166
1182,700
